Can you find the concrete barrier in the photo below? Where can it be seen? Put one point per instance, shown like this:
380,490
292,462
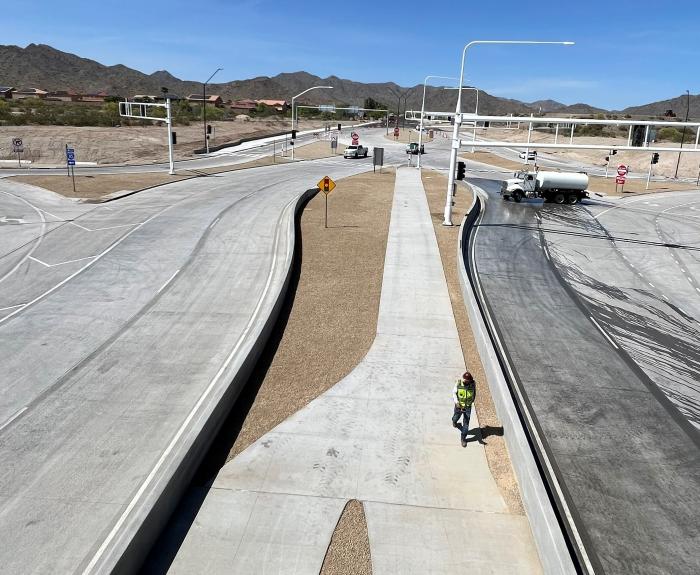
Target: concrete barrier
134,539
550,534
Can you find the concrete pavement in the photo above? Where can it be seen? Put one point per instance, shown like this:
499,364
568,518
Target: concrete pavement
118,368
382,435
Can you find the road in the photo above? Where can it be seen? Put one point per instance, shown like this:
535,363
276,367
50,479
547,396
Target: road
122,326
602,337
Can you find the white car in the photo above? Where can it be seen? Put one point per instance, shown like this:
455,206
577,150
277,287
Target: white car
530,155
355,152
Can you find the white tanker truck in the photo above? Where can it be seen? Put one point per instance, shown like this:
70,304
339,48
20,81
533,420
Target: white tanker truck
557,187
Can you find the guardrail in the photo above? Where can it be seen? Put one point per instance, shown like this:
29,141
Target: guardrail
560,548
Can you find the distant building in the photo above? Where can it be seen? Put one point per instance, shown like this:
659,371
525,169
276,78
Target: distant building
63,96
6,92
212,100
279,105
94,98
244,105
25,93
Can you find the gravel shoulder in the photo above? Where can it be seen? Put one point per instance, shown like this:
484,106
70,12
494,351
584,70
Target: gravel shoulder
491,428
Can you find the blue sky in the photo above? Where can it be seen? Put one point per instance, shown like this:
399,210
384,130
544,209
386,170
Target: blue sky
626,53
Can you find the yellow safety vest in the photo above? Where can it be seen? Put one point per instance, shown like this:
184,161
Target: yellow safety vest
465,394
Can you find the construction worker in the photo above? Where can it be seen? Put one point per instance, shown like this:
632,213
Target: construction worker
463,395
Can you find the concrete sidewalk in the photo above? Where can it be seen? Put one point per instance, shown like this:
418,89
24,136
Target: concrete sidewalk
382,435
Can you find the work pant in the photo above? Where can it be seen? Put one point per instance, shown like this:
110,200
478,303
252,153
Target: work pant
466,414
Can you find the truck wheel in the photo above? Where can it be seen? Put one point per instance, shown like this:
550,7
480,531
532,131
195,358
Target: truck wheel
571,199
517,196
559,198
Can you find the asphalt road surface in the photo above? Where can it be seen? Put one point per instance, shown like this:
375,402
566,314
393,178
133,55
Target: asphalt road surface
602,336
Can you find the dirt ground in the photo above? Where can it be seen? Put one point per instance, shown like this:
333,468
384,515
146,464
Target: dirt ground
491,429
100,186
406,136
638,162
596,183
131,144
349,551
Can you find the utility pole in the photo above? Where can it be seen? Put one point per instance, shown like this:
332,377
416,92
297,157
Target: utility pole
687,112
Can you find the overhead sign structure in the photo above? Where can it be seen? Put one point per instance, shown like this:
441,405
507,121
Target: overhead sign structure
326,185
141,111
622,170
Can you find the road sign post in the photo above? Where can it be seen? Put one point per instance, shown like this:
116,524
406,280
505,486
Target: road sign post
378,158
18,148
70,163
326,185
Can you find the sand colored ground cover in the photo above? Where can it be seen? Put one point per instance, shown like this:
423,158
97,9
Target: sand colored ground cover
45,145
491,429
101,186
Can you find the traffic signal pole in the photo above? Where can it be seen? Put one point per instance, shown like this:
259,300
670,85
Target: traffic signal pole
651,163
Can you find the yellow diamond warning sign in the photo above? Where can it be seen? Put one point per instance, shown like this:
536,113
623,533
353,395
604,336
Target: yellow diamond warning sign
326,185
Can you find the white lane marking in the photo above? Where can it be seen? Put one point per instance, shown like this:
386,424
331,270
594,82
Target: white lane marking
689,279
682,270
95,259
11,307
664,296
172,277
102,229
216,221
697,289
37,260
15,416
164,456
603,332
36,243
651,284
546,253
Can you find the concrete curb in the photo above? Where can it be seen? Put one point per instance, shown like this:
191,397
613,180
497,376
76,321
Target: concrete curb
135,537
547,531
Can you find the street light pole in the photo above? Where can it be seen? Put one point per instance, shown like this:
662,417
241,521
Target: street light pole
204,108
422,111
458,119
687,113
301,94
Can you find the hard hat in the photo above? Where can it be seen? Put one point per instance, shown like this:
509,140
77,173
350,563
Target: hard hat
466,376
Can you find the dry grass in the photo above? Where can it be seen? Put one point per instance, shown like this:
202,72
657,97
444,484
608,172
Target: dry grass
101,186
493,160
349,550
492,431
333,317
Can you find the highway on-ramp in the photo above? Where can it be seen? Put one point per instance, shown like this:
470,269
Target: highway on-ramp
601,335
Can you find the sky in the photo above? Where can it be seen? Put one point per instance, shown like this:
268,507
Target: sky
628,52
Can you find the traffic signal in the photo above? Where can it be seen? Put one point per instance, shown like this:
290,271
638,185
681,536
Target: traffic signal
174,138
655,158
461,169
487,124
607,158
613,152
339,127
208,128
294,134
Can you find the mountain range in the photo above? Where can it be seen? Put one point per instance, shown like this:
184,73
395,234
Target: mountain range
41,66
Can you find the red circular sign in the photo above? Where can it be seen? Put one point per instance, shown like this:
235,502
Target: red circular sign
622,170
355,136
